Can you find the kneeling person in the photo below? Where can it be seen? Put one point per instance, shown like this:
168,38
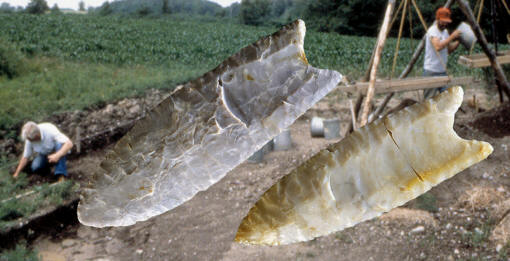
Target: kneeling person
49,143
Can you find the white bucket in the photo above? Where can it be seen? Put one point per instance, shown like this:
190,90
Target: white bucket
268,147
317,127
332,128
257,157
467,36
283,141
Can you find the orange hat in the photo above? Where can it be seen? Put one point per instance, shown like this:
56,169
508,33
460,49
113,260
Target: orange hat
443,14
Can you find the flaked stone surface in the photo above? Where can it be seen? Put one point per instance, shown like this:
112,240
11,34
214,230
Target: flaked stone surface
204,129
374,169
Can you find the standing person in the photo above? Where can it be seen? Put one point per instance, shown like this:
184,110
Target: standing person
438,44
49,143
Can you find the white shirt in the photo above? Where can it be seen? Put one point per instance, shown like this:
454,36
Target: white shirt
50,137
432,62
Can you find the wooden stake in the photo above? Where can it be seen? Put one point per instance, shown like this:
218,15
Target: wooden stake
381,107
78,140
476,103
357,108
381,39
501,80
353,116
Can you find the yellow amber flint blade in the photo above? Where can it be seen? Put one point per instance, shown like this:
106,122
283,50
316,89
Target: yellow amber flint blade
376,168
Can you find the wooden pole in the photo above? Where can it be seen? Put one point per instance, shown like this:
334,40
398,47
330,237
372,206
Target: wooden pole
381,39
495,39
366,77
367,73
501,80
383,105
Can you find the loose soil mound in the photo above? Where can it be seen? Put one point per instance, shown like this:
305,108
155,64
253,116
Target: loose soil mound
409,217
496,122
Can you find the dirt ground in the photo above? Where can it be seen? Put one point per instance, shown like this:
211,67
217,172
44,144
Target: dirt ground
462,221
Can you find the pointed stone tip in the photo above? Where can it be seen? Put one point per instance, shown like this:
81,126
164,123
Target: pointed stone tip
450,100
486,149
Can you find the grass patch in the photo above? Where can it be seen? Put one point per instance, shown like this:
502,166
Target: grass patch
427,202
11,60
44,195
478,236
427,242
343,237
53,86
20,253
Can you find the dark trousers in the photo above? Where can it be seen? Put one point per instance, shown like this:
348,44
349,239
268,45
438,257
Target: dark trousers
41,162
429,93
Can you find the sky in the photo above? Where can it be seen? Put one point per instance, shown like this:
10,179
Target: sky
73,4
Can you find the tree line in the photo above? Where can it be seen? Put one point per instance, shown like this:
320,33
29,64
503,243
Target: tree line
128,7
361,17
351,17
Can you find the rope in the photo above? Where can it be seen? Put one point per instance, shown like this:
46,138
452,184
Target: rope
478,22
402,20
396,14
506,6
477,5
411,29
419,15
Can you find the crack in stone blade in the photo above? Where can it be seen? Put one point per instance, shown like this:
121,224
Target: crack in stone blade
407,160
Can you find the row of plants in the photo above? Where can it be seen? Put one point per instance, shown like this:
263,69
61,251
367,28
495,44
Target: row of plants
73,62
19,253
176,40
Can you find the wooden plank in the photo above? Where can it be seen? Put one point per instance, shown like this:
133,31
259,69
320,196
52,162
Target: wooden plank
409,84
481,60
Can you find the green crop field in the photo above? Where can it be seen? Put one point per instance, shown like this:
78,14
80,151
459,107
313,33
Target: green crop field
77,61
